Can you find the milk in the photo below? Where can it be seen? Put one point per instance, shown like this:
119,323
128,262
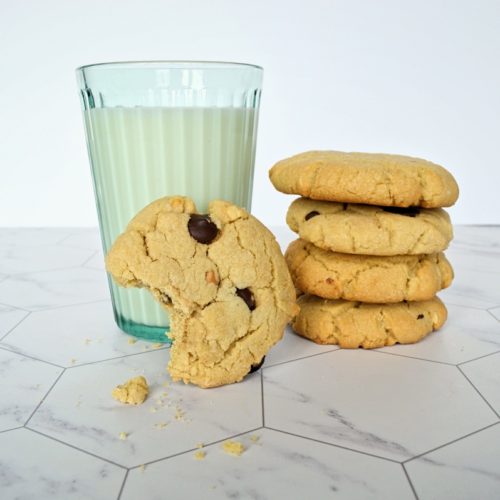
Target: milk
143,153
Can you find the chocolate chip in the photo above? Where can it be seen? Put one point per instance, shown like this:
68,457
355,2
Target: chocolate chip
408,211
254,368
344,206
202,229
420,316
247,296
310,215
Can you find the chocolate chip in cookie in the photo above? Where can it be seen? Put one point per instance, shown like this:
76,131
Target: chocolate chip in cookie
202,229
247,296
310,215
256,367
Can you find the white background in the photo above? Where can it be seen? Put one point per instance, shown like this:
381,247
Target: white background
411,77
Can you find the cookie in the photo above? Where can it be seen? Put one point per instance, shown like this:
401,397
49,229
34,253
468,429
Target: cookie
368,178
370,230
363,278
222,278
356,324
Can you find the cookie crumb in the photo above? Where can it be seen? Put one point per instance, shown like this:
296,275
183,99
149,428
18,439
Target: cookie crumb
158,345
134,391
200,455
199,445
142,468
131,340
161,425
123,436
233,448
254,438
179,414
87,341
72,361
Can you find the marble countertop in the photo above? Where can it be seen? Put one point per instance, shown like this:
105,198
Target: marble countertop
417,421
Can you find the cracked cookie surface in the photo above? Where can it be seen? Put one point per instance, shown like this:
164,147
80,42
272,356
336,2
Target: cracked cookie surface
222,278
333,275
356,324
370,230
369,178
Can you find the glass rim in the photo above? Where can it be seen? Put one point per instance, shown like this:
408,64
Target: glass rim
172,64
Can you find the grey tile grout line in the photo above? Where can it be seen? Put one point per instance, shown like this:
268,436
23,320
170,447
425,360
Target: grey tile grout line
428,452
262,398
16,325
477,359
43,398
6,348
14,307
55,308
409,481
75,447
413,357
13,429
491,314
298,359
166,348
87,260
479,392
334,445
123,485
205,445
447,303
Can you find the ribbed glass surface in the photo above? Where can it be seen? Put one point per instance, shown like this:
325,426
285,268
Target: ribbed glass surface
191,131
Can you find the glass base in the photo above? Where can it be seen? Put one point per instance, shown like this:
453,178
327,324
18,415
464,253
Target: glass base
157,334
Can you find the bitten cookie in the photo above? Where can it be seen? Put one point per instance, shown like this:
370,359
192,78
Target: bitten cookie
373,179
355,324
222,278
365,278
370,230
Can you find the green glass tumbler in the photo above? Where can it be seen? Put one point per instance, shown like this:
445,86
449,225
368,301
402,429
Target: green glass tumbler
163,128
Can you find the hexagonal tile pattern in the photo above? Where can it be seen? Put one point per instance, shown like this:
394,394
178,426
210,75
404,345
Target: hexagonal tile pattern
484,373
16,260
293,347
34,466
81,411
24,383
336,397
468,334
275,466
9,318
50,289
73,335
336,422
462,470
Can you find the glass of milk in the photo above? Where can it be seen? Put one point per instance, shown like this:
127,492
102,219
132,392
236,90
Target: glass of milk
162,128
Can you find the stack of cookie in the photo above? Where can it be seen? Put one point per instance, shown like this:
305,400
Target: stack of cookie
369,259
